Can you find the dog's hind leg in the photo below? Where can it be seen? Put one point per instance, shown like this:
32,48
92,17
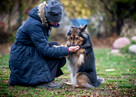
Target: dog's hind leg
83,80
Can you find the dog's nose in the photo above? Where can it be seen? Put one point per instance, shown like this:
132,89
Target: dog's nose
73,45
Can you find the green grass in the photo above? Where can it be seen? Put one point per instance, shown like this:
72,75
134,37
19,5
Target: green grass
119,72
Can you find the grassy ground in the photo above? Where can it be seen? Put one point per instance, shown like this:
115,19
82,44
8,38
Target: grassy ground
119,72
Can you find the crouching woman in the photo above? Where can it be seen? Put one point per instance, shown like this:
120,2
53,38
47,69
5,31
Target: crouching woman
34,61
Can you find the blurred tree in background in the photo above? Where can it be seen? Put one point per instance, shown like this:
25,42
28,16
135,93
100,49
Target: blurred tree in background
12,14
115,13
76,8
106,16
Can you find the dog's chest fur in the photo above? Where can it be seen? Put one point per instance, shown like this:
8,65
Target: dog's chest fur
75,61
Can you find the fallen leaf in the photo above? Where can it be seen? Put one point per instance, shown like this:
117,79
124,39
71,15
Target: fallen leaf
110,70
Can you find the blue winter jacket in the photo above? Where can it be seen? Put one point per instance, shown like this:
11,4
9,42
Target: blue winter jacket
28,54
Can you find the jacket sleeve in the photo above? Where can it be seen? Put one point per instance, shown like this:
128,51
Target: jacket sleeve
37,36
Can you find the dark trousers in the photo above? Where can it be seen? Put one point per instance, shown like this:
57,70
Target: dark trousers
55,63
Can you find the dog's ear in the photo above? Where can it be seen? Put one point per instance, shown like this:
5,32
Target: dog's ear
68,32
80,26
84,28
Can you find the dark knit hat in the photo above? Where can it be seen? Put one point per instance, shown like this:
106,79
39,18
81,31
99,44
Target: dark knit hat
53,11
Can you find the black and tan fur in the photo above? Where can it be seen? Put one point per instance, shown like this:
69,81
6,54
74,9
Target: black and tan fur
82,63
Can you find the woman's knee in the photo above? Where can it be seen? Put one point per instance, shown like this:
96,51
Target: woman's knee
62,62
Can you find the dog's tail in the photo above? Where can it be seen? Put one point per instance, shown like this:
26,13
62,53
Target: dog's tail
101,80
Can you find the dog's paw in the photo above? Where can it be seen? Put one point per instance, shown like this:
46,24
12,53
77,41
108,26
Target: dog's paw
69,83
77,86
80,51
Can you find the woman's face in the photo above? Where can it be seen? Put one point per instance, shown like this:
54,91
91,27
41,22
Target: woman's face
54,25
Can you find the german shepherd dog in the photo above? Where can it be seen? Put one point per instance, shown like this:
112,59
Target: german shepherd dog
82,63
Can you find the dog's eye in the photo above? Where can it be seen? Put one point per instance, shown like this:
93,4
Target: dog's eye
70,37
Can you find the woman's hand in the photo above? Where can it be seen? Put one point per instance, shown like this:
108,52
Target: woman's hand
73,48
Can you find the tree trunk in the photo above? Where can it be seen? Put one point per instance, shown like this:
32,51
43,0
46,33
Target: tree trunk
20,19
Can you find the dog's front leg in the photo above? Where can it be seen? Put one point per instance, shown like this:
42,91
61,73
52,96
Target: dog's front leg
73,79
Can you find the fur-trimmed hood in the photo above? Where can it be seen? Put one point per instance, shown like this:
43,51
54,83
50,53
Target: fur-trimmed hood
39,13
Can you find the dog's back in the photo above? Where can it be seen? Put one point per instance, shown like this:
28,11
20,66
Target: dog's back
82,63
